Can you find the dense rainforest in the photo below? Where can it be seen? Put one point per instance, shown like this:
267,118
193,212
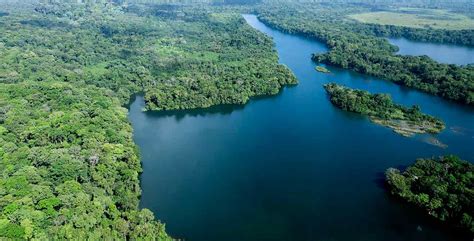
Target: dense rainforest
362,48
69,165
181,57
442,187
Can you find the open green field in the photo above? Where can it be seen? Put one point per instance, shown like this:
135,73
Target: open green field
417,18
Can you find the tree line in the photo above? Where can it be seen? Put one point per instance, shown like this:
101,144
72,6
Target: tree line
69,165
357,47
442,187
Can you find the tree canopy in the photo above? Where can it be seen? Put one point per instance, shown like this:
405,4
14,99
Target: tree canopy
443,187
69,165
363,47
381,109
68,162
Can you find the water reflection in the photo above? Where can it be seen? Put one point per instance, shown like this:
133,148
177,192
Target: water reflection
289,167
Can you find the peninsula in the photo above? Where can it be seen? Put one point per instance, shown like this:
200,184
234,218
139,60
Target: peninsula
381,110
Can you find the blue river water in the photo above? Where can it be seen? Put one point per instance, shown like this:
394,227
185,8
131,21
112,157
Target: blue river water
290,166
443,53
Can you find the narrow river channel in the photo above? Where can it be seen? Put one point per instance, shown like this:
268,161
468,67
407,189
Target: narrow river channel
290,166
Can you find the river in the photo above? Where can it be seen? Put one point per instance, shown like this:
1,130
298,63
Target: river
443,53
290,166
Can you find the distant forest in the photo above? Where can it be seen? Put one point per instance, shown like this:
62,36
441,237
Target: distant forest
69,164
467,4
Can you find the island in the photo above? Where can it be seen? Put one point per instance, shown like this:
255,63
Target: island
322,69
356,41
381,110
442,187
76,149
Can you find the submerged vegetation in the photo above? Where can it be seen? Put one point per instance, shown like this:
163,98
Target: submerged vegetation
381,110
442,187
322,69
68,163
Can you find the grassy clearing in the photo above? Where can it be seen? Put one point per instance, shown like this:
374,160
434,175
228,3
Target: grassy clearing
417,18
322,69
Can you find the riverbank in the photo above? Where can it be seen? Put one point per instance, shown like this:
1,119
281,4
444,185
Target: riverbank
381,110
206,165
362,49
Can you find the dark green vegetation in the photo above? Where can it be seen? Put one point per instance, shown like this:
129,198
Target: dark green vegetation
381,109
69,166
229,66
215,159
442,187
181,57
359,47
420,72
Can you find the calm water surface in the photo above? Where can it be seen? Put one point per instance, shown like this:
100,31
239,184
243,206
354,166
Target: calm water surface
443,53
291,166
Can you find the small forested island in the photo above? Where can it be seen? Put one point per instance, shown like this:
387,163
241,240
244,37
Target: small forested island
442,187
70,166
381,110
322,69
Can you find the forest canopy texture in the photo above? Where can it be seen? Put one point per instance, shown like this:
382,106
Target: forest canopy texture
69,167
364,49
382,110
442,187
68,162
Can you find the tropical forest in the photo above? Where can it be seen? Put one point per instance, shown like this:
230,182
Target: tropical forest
207,120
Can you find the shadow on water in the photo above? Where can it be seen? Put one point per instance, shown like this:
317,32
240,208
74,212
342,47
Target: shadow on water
225,109
414,211
221,109
424,221
289,167
379,179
